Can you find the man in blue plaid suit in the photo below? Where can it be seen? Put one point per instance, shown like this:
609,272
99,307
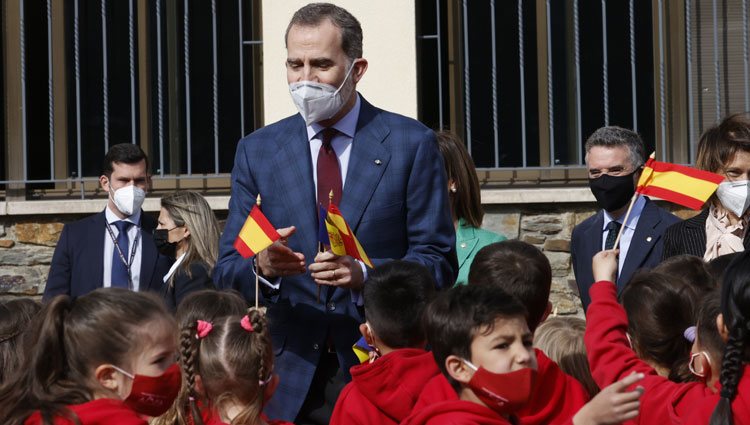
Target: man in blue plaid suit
394,197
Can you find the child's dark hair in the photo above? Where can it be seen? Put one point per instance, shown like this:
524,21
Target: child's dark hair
208,305
234,361
688,268
707,333
718,266
735,305
15,317
518,268
396,294
459,314
660,307
70,338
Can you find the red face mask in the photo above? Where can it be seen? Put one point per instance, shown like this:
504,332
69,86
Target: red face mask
154,395
505,393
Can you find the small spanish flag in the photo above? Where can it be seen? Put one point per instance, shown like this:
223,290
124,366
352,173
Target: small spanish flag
341,237
362,350
256,234
676,183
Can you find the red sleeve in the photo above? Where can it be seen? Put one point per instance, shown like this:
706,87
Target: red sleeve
612,359
341,415
557,396
607,346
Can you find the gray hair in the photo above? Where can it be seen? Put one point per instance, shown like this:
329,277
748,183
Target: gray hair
613,137
314,13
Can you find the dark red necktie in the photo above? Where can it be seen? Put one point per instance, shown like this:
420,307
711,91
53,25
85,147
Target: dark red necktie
329,172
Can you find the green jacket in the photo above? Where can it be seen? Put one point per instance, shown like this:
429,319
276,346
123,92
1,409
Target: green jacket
469,240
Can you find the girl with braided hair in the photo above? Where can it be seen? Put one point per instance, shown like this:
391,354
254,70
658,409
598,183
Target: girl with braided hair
732,405
207,305
228,368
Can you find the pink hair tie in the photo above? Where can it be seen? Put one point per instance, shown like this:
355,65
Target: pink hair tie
246,325
204,328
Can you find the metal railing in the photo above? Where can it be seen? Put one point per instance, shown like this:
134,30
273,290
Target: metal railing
148,98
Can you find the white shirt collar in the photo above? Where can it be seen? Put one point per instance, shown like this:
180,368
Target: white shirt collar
346,125
174,267
635,214
112,217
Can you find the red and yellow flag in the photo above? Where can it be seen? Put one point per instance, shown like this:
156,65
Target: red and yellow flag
341,237
256,234
682,185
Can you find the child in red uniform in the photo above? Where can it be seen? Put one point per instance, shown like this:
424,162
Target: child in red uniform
523,271
385,390
104,358
483,346
208,305
228,366
732,404
612,358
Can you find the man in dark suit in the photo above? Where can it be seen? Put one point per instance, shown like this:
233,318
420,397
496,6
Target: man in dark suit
614,157
114,247
387,178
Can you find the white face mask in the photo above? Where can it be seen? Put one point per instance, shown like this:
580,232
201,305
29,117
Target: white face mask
128,199
734,196
319,101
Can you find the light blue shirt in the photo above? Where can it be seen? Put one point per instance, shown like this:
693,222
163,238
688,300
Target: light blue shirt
109,248
628,231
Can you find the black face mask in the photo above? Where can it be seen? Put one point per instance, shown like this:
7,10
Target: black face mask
612,192
161,239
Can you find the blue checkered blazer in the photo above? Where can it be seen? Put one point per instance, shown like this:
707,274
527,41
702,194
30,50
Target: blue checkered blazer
394,199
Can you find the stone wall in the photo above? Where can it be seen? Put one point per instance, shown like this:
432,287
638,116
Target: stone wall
27,244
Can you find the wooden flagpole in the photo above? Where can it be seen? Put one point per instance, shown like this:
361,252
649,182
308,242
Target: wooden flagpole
257,202
627,214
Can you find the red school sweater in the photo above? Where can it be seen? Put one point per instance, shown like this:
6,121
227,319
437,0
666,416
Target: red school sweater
455,412
702,412
557,396
103,411
384,392
611,359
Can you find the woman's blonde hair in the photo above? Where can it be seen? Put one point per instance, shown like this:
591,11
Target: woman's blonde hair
190,209
561,339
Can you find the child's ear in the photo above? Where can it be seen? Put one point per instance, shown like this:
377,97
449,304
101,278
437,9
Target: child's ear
366,332
109,378
270,388
457,369
198,385
722,327
547,312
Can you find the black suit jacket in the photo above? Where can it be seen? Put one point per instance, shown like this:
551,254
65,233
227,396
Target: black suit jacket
645,247
689,237
78,262
182,284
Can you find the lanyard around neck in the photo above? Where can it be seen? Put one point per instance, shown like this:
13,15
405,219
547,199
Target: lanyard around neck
121,254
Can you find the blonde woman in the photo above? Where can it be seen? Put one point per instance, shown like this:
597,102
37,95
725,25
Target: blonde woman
189,233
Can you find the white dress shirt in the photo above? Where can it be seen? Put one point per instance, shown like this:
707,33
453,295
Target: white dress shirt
109,247
627,233
173,269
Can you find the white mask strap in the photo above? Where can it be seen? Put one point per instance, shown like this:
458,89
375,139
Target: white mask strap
129,375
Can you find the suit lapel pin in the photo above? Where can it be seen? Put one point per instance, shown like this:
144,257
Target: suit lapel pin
378,162
648,239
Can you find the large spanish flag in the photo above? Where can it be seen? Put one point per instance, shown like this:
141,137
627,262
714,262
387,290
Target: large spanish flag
676,183
341,237
256,234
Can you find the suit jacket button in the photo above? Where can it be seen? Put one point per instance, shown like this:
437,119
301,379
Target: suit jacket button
331,306
316,347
